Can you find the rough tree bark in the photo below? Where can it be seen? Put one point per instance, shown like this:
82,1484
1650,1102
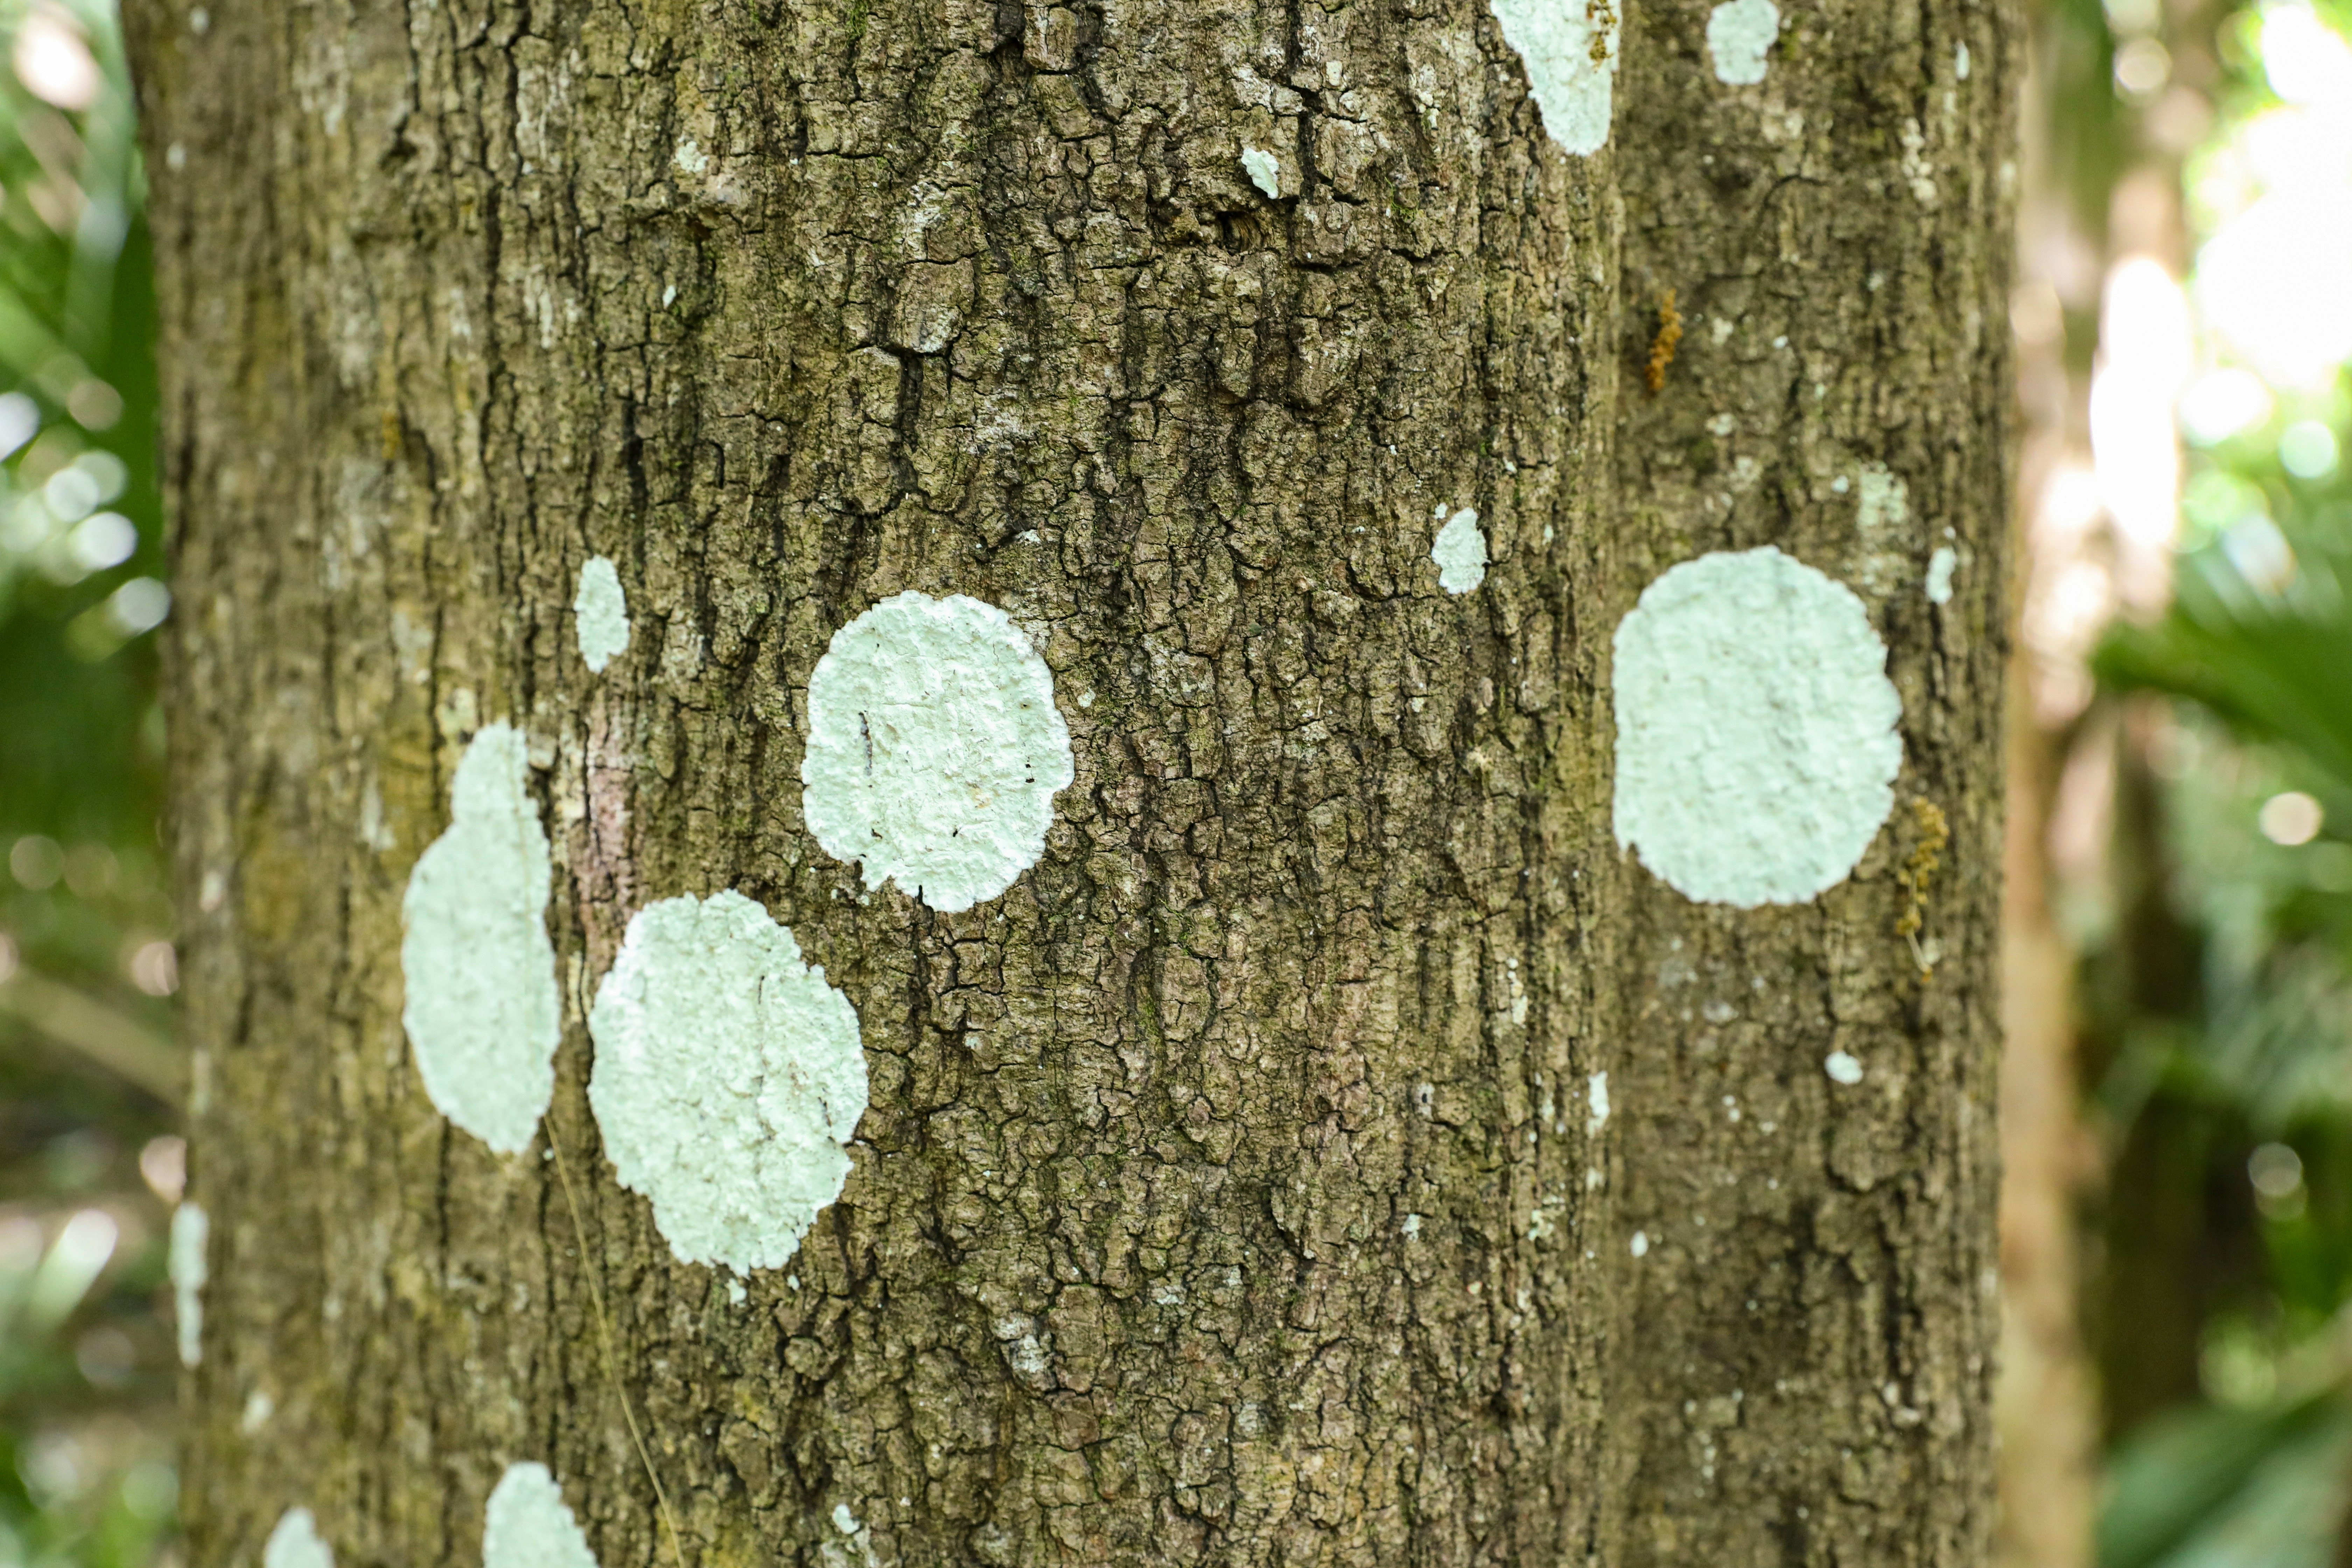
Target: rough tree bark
1232,1188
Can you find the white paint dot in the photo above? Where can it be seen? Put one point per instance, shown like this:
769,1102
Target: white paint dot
482,1011
1756,741
843,1520
1597,1099
1842,1068
1740,33
528,1525
689,157
1641,1244
191,1230
1263,169
295,1543
600,612
1570,71
1460,551
728,1076
1940,567
935,750
1960,62
259,1408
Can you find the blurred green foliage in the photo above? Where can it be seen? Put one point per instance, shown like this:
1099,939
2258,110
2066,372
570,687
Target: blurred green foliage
88,1160
2217,998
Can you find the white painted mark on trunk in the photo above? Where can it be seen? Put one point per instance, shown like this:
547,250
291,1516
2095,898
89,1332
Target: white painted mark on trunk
1264,170
295,1543
1740,33
1596,1099
1570,49
1460,551
1940,567
935,750
482,1011
1641,1244
1842,1068
528,1524
729,1077
191,1230
600,612
1756,740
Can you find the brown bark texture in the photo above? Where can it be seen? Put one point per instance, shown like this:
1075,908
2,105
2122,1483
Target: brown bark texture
1230,1190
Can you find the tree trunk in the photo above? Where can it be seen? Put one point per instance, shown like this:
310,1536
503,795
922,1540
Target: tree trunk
1241,1184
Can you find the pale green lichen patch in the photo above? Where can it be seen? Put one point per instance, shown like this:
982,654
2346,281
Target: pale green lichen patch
482,1011
295,1543
1756,741
1570,49
1264,170
600,612
1739,34
1460,551
729,1077
528,1524
935,750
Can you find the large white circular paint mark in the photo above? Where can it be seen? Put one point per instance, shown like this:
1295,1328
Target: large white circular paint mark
728,1076
1756,742
935,750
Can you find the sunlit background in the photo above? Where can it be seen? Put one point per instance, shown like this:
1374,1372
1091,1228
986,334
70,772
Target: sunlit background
2177,1099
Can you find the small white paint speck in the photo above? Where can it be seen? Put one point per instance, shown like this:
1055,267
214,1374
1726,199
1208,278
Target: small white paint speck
1960,62
1411,1226
1596,1096
935,750
729,1077
601,614
1641,1244
528,1524
1264,170
689,157
1740,33
1460,552
186,1263
482,1011
295,1543
1940,567
1571,64
670,295
1842,1068
1755,738
259,1408
843,1520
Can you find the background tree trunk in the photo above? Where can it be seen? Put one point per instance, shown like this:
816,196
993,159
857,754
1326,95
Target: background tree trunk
1231,1189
